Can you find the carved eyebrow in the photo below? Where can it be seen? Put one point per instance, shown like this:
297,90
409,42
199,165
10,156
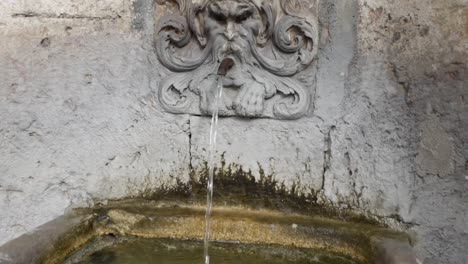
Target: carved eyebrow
243,12
217,11
243,8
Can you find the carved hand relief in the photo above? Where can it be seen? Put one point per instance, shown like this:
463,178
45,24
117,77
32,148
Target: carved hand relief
263,51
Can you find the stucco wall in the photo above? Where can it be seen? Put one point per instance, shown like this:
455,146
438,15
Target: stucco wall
79,121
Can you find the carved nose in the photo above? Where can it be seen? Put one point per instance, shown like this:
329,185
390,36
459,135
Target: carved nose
230,31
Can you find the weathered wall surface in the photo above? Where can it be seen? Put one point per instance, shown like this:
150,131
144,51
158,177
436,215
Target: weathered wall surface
414,54
79,121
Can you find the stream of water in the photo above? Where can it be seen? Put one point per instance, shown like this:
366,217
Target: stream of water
211,167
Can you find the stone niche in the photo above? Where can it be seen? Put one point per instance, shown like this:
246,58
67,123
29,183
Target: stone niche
262,52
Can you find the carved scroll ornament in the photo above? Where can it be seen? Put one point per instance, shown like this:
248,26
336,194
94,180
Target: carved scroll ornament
271,44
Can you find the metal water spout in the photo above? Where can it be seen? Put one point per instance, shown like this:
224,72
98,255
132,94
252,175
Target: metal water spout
225,66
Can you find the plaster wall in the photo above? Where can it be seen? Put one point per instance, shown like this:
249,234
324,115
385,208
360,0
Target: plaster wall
79,121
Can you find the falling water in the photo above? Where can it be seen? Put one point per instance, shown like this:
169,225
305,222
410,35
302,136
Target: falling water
211,165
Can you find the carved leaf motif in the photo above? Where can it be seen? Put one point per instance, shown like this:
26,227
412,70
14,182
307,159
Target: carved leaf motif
300,44
284,109
173,93
174,33
269,14
296,7
181,4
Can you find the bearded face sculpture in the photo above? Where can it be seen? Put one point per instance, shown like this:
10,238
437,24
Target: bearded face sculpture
261,52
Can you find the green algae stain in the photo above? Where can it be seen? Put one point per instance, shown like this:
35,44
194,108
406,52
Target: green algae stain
235,186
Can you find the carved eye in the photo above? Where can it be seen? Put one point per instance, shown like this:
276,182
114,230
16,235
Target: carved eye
244,15
220,17
216,13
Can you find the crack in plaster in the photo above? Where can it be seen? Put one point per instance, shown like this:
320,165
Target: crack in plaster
327,154
189,134
31,14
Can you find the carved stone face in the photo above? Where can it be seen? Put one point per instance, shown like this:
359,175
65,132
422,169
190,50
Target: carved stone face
269,51
229,25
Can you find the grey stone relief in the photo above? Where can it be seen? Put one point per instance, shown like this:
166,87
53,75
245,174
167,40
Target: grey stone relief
268,49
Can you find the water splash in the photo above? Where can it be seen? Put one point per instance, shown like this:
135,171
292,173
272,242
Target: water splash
211,165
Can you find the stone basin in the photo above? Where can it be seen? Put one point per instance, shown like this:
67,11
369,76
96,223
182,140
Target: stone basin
306,237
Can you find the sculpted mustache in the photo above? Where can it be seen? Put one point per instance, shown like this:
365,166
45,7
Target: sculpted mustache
222,45
234,38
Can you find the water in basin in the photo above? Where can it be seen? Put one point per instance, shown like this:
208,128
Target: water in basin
162,251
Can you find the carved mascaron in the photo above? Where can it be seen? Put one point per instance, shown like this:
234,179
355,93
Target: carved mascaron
270,47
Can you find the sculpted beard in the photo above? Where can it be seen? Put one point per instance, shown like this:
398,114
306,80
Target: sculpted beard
232,29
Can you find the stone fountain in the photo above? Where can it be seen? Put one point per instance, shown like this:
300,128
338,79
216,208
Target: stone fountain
340,137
